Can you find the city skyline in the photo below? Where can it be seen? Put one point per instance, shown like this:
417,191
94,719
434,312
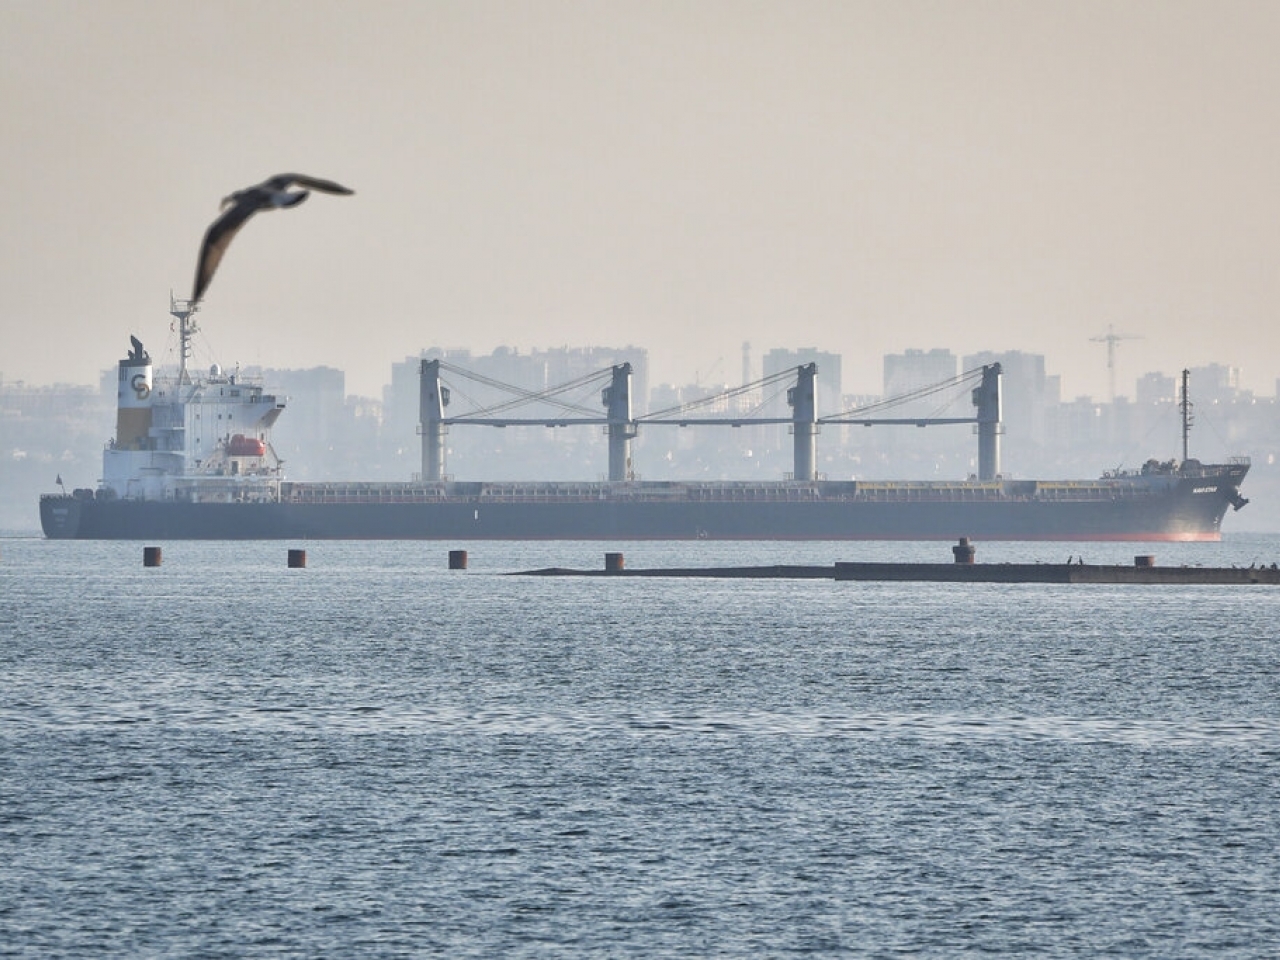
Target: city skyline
1128,387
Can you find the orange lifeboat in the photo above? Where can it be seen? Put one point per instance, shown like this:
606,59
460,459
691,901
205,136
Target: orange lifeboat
242,446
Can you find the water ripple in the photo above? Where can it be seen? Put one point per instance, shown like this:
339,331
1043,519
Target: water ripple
217,759
366,719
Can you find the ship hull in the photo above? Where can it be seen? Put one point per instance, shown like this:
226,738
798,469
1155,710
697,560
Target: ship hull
1141,510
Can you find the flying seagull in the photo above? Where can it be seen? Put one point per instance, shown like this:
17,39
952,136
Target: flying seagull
268,195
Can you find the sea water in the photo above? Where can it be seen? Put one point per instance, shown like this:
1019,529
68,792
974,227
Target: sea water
376,756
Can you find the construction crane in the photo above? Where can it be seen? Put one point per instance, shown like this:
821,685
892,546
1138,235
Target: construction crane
1111,338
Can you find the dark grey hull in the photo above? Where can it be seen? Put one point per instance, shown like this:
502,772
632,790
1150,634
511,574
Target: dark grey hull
1139,508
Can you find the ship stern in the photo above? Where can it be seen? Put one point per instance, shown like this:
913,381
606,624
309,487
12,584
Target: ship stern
60,516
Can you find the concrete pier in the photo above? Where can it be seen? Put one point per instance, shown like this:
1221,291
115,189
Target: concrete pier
955,573
1053,573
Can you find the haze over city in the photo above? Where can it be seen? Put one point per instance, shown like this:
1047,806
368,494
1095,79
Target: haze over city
859,177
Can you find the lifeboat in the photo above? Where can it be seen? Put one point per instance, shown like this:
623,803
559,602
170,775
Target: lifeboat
242,446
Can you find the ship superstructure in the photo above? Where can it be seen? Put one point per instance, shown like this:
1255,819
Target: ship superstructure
195,437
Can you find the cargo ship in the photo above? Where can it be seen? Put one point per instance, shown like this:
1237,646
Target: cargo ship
192,459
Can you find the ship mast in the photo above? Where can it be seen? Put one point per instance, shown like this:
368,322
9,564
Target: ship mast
1184,408
184,312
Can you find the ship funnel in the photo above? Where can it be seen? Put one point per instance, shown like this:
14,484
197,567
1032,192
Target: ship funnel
133,399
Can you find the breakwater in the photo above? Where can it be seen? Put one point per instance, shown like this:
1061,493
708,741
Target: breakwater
964,570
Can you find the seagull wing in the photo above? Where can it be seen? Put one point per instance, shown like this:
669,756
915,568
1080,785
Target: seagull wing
285,180
216,240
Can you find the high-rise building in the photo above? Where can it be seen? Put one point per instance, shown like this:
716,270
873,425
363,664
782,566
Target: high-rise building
1215,383
829,381
1153,388
913,370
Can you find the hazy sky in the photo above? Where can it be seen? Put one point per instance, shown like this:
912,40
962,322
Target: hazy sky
863,177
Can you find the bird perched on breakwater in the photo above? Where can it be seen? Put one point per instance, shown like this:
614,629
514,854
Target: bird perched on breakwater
271,194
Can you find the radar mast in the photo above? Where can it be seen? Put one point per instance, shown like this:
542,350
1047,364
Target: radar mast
184,311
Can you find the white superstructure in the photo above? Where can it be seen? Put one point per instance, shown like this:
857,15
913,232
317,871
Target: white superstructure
190,437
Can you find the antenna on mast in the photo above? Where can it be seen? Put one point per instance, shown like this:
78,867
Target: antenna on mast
1111,338
184,311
